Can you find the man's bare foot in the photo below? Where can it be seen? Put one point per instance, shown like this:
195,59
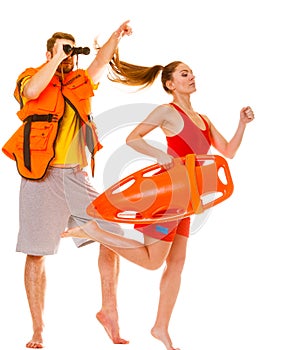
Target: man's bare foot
80,232
111,328
36,342
164,337
34,345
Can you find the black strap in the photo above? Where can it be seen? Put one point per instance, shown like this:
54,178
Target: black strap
40,118
89,139
27,130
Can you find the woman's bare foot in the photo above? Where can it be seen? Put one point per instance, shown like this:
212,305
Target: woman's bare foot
80,232
164,337
36,342
111,327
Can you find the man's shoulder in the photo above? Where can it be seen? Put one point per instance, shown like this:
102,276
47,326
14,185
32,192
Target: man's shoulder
30,71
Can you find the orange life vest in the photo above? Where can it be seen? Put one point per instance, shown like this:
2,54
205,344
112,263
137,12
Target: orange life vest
32,145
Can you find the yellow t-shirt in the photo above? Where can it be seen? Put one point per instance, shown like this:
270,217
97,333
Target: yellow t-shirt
70,145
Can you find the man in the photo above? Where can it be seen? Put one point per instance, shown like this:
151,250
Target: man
49,149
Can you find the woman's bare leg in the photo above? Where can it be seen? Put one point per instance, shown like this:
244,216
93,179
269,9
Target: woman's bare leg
150,255
169,288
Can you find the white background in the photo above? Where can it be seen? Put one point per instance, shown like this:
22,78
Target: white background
231,290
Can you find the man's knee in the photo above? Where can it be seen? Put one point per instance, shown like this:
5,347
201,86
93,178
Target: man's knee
107,254
35,260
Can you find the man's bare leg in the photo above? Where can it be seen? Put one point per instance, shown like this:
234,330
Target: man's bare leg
169,289
35,285
108,263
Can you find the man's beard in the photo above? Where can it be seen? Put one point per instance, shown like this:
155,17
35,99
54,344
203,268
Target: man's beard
65,67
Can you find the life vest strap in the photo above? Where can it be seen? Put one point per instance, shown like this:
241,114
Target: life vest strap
27,129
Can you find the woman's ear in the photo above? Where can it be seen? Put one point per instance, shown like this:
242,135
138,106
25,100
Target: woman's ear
169,84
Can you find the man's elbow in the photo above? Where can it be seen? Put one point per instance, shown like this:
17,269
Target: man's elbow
30,94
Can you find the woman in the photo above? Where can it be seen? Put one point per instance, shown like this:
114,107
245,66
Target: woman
186,132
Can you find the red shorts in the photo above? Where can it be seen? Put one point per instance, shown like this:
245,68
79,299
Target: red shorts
166,231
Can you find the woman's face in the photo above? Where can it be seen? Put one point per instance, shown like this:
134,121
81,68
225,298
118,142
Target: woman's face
183,80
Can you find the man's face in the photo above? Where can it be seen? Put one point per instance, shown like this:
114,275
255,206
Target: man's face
67,64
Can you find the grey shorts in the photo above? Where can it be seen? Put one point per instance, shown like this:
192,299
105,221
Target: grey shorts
47,207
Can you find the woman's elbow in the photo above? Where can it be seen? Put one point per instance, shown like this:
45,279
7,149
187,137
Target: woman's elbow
231,156
128,140
131,138
228,154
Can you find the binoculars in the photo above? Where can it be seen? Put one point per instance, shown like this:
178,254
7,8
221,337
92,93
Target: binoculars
76,50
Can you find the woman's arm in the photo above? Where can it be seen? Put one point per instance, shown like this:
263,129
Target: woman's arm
229,149
157,118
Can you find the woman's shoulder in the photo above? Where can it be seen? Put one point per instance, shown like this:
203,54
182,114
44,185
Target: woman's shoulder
164,111
160,114
166,108
205,118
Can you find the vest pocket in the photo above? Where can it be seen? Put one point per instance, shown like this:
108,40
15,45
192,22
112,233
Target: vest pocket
40,133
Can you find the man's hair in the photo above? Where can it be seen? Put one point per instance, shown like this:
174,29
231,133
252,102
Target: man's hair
58,35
